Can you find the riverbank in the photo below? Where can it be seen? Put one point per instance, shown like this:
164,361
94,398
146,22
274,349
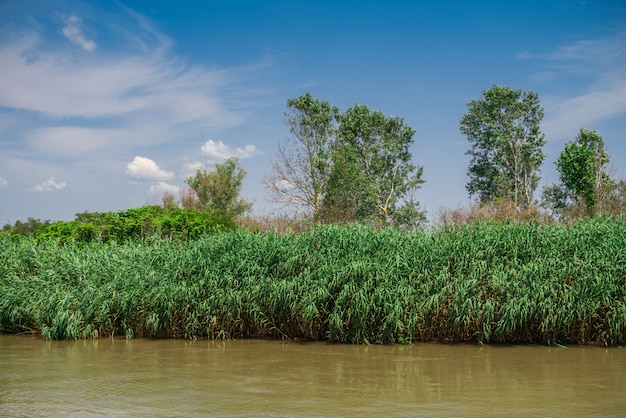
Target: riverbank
500,283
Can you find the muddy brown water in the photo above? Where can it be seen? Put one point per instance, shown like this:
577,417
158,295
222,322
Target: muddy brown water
142,377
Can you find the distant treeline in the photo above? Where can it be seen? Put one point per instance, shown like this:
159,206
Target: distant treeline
488,282
137,223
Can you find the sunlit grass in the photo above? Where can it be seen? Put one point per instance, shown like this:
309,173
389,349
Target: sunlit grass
487,282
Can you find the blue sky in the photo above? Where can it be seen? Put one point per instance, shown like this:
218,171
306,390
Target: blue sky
105,105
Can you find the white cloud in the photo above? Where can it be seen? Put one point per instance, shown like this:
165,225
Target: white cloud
565,117
3,183
218,151
54,82
145,169
189,169
596,51
163,187
133,78
50,185
75,141
74,32
192,166
82,90
597,66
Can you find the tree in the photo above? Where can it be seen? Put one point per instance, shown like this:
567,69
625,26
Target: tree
582,168
346,167
503,128
302,167
28,228
614,199
555,197
372,170
409,216
218,190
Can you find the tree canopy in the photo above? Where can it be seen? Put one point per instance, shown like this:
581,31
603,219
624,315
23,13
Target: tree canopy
584,181
218,190
506,145
372,167
302,166
352,166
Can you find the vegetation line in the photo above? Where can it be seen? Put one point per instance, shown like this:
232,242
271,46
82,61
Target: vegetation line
486,282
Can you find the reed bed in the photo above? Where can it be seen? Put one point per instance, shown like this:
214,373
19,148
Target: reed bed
486,282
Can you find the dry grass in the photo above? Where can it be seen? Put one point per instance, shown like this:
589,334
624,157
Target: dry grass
499,212
280,224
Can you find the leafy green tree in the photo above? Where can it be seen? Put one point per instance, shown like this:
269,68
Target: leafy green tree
555,197
503,129
219,190
409,216
28,228
582,167
302,167
372,168
354,166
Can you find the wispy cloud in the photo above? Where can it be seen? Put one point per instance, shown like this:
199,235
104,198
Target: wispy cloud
3,183
50,185
162,188
565,116
85,88
189,168
133,82
597,66
74,32
76,141
217,151
142,168
596,51
55,84
82,85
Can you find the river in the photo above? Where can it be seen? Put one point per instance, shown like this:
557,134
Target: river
142,377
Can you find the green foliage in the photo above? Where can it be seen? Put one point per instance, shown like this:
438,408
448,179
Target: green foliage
302,167
503,128
487,282
27,229
582,168
556,198
372,168
360,170
577,167
409,216
218,190
131,224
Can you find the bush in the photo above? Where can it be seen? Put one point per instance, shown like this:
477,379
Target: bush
130,224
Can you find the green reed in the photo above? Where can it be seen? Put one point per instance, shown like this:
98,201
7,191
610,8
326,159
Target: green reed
514,283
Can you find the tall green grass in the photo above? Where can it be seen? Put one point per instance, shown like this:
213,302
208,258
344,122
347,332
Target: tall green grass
517,283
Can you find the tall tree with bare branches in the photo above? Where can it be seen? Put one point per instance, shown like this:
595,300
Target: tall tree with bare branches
302,166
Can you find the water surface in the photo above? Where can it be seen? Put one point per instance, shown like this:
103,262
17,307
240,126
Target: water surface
142,377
